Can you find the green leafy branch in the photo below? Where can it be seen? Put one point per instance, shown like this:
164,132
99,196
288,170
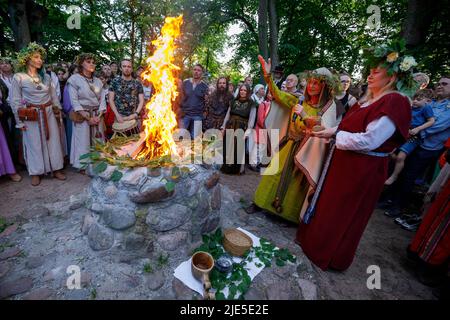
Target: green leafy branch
238,281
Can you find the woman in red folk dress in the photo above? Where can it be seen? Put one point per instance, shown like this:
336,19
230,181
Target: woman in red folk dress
372,129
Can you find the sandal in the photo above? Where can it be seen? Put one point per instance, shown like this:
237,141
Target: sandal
15,177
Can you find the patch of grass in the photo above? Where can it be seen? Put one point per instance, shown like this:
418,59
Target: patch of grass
163,260
94,294
148,268
4,224
244,203
4,246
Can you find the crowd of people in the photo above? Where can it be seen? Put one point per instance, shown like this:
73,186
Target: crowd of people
341,146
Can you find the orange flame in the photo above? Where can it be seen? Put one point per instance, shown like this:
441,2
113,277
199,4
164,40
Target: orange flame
161,120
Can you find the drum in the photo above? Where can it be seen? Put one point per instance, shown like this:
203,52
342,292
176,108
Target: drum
128,127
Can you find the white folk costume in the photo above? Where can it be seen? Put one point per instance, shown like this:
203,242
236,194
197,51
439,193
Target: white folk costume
88,95
42,146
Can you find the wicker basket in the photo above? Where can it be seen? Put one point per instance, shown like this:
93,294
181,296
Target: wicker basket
236,242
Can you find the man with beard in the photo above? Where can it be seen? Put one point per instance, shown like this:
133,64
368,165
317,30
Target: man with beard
126,96
217,105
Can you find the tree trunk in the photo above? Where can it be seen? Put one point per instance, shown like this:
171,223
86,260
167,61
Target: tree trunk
262,28
141,46
419,17
132,7
36,15
19,23
262,32
273,27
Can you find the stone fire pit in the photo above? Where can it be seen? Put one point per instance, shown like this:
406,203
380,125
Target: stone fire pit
138,215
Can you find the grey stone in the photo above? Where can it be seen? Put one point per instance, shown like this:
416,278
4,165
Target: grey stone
152,191
119,219
173,240
53,274
9,230
154,172
203,208
9,253
100,208
192,202
132,281
255,293
216,198
106,175
194,246
282,291
77,294
13,287
85,279
211,225
150,247
242,215
100,238
39,294
76,202
309,289
34,262
35,212
286,271
111,191
168,218
133,177
155,281
4,268
88,221
212,180
134,242
181,291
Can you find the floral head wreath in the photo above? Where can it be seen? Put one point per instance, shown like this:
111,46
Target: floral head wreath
7,60
392,57
84,56
25,54
323,74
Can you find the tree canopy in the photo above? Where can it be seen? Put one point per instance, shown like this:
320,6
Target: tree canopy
299,34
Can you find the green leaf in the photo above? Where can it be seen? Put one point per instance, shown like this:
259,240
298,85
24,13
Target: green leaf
220,296
280,263
85,156
99,168
170,186
176,171
116,176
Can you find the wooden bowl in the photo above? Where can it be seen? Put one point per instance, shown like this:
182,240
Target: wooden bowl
236,242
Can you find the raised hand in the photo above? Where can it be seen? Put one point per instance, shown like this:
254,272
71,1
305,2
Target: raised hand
266,66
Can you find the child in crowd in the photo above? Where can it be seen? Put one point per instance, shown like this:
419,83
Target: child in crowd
422,118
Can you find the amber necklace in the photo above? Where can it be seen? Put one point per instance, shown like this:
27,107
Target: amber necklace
36,81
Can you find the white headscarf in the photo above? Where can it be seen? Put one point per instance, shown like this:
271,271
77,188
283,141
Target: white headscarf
255,97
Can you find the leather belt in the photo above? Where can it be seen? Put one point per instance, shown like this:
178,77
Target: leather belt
44,114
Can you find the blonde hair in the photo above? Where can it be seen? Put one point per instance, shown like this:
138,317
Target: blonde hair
390,86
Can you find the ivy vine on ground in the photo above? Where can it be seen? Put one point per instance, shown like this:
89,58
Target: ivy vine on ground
238,280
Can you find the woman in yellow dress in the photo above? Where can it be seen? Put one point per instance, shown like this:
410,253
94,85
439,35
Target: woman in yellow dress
292,175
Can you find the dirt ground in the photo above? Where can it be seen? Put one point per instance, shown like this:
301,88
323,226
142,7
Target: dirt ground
383,243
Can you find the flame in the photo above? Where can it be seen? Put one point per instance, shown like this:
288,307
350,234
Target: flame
161,120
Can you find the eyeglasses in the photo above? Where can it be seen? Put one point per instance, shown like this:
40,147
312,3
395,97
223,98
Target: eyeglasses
443,84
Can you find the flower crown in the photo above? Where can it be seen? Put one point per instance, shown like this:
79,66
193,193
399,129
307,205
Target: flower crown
84,56
331,79
392,57
25,54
